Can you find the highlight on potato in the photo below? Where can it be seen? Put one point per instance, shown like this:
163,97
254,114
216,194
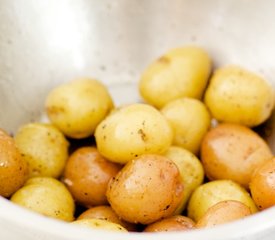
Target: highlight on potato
153,166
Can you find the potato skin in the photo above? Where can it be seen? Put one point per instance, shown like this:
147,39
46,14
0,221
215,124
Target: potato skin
262,185
147,189
170,224
99,224
131,131
232,151
44,148
87,174
190,121
108,214
191,171
239,96
181,72
223,212
46,196
13,168
208,194
77,107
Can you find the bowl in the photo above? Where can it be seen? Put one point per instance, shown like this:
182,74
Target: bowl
45,43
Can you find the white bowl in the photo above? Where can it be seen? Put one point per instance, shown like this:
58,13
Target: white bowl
46,42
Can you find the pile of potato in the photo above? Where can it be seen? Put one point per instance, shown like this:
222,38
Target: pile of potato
186,158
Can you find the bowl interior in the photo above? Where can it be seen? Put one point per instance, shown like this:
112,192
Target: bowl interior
45,43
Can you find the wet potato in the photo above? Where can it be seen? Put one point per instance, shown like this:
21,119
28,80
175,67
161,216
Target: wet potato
233,151
87,174
147,189
131,131
174,223
108,214
13,168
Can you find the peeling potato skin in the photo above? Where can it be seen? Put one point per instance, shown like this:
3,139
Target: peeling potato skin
13,168
87,174
147,189
223,212
233,151
131,131
171,224
262,185
108,214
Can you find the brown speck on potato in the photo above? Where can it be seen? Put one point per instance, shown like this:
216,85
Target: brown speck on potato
142,135
163,60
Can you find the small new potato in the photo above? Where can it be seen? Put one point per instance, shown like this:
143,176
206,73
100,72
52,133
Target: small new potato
108,214
223,212
99,224
190,121
171,224
87,174
132,131
181,72
13,168
147,189
77,107
239,96
262,185
191,171
44,148
46,196
208,194
232,151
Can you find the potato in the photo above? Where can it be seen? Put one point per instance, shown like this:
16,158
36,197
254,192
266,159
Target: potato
223,212
46,196
108,214
262,185
208,194
87,175
232,151
147,189
77,107
44,148
190,121
170,224
181,72
191,172
236,95
132,131
99,224
13,168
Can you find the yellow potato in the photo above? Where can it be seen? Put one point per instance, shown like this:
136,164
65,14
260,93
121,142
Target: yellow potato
46,196
262,185
108,214
190,121
223,212
236,95
232,151
44,148
13,168
147,189
208,194
191,172
99,224
132,131
170,224
181,72
77,107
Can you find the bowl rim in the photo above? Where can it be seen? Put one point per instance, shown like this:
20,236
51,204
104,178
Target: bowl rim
254,224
